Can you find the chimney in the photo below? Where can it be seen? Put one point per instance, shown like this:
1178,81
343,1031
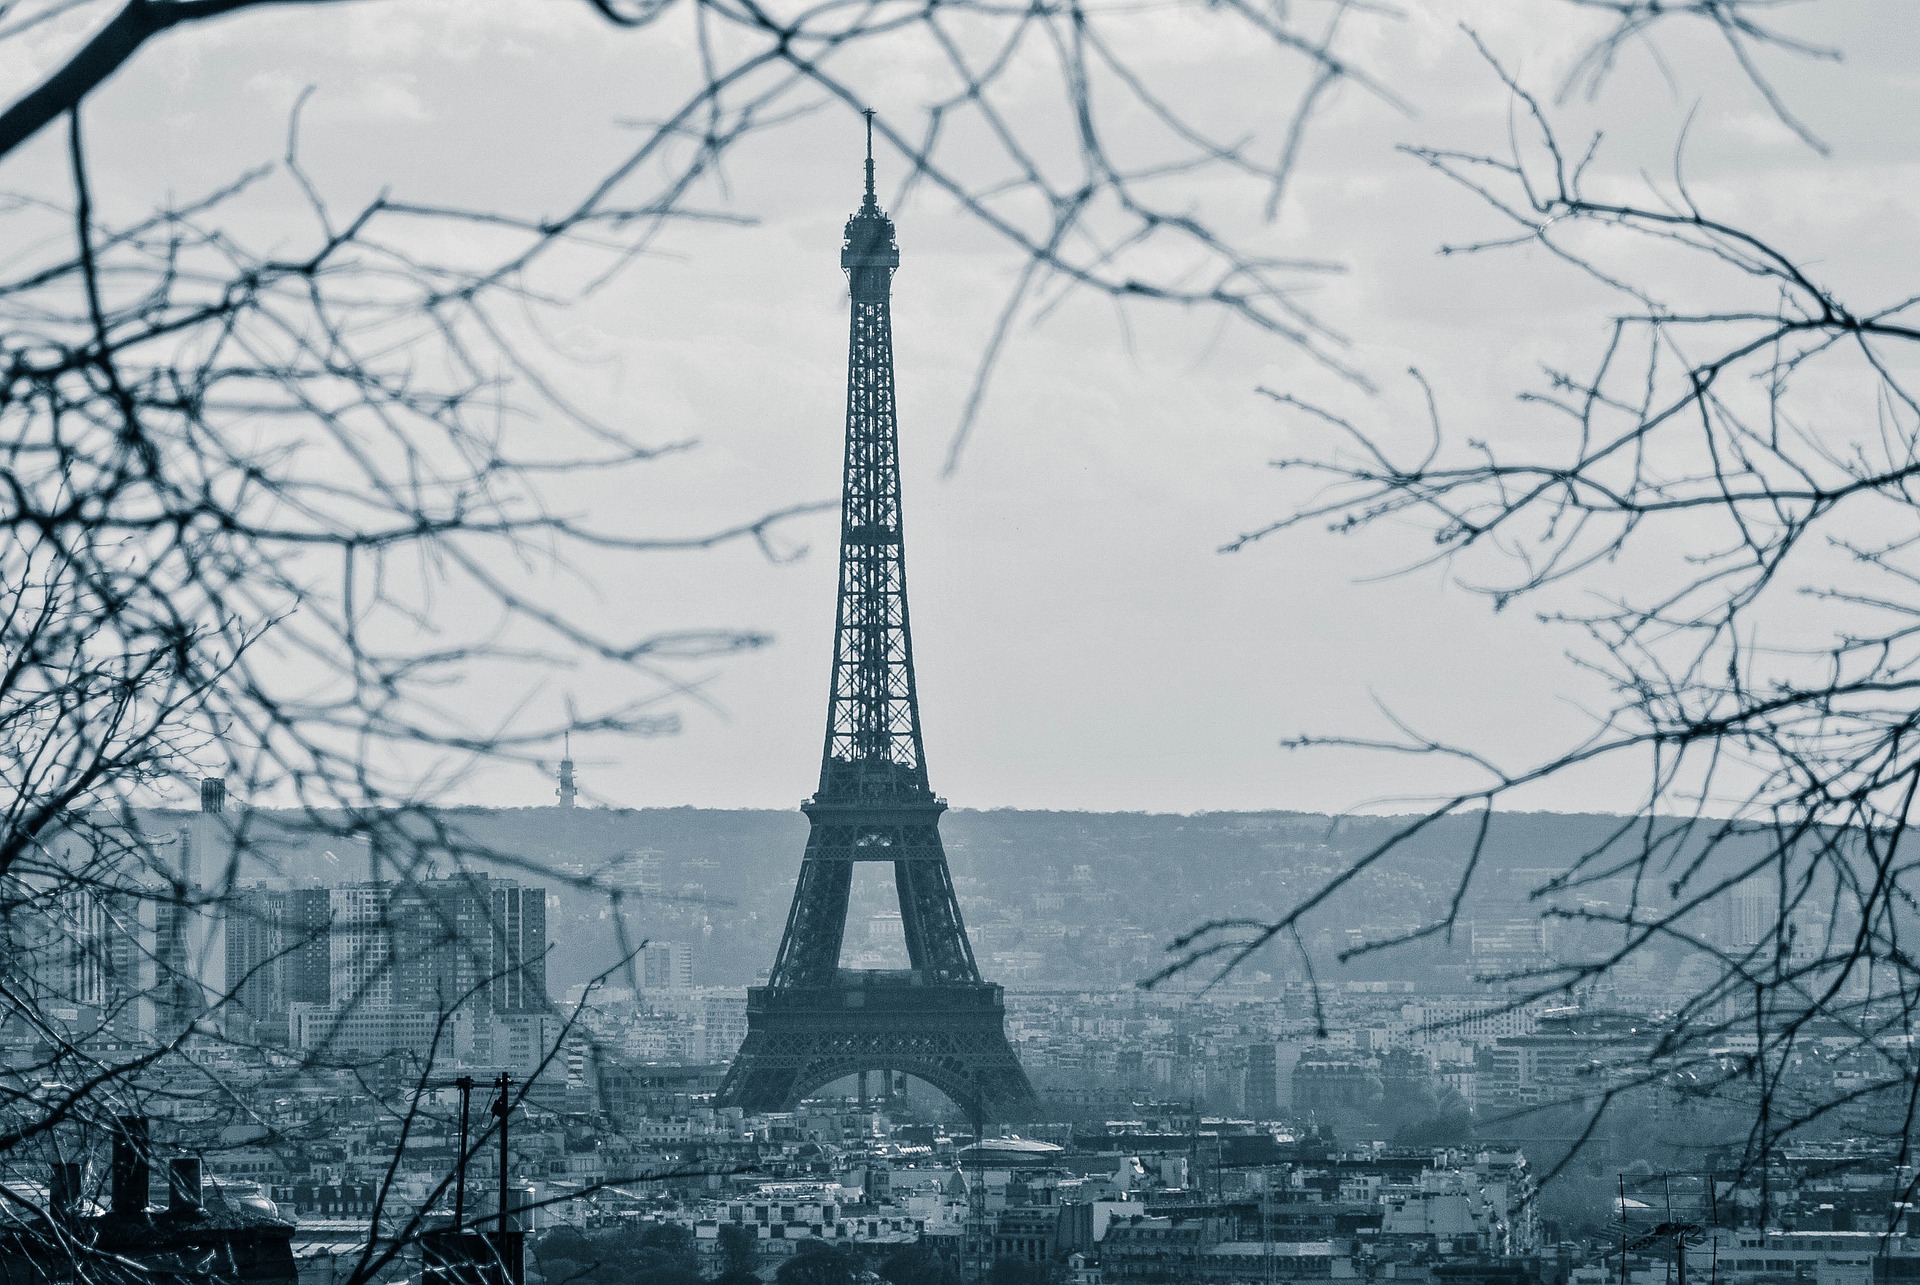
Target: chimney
183,1187
63,1191
128,1177
522,1207
213,795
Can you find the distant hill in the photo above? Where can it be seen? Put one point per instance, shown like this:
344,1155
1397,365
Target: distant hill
1053,898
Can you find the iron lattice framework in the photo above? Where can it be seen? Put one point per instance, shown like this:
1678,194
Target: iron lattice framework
815,1022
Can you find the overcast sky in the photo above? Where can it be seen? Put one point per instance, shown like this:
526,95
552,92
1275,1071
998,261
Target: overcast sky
1081,643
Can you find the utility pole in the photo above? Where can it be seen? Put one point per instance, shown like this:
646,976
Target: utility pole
1623,1229
503,1107
465,1085
977,1255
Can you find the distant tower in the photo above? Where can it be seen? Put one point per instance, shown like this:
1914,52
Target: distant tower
567,792
815,1021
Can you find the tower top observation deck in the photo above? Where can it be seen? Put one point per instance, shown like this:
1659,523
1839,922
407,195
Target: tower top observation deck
869,253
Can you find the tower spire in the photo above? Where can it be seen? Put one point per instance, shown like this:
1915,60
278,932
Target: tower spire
872,202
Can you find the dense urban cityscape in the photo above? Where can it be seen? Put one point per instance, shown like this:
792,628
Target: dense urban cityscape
1273,1127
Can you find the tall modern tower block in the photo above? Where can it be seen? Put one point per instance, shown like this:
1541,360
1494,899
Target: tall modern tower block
815,1022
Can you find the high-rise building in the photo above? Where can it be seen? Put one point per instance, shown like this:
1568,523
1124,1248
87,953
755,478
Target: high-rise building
360,946
520,948
188,948
252,949
441,944
433,946
442,941
1263,1080
1753,912
723,1026
666,966
306,963
78,936
83,955
278,952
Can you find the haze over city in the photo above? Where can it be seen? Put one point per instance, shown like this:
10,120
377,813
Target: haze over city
1397,764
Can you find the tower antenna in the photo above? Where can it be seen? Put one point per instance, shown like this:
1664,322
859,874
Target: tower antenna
567,791
868,113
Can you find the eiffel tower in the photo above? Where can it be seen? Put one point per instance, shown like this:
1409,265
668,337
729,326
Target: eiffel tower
815,1022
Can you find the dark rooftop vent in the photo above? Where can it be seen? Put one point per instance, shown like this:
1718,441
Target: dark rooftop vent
183,1188
63,1191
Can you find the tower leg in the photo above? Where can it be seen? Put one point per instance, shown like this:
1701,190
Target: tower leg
816,923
